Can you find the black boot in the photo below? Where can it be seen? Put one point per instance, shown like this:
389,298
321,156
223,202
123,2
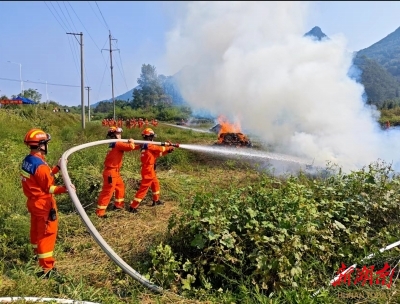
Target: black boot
115,208
133,210
157,203
51,273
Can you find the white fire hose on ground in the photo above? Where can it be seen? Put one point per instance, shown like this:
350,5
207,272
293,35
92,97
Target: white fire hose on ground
35,299
93,231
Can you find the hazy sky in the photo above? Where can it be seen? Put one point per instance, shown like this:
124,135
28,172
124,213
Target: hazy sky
33,35
247,61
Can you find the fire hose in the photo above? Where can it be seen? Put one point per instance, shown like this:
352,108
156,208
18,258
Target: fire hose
93,231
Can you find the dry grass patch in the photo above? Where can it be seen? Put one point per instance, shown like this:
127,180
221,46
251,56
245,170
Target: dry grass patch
129,235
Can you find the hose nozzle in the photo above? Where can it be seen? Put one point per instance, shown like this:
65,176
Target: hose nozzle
168,143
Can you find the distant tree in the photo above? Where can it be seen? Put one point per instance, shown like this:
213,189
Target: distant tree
121,103
151,92
104,107
137,101
32,94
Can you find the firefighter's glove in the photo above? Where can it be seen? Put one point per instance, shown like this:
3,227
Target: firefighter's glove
131,141
169,142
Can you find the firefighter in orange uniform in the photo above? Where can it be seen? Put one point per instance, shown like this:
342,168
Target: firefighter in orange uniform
38,186
148,157
128,123
140,123
112,180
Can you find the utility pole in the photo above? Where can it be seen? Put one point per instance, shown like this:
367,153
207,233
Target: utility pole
20,76
111,67
82,82
47,95
88,103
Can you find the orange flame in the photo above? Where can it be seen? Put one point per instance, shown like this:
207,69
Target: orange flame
227,127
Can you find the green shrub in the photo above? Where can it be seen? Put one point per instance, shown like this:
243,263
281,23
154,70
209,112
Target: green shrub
271,231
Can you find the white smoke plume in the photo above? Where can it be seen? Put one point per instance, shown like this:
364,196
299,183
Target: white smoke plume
250,62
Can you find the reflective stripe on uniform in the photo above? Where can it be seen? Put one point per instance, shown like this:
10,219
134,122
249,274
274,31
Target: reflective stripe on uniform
52,189
157,192
45,255
163,150
137,199
119,200
101,207
26,174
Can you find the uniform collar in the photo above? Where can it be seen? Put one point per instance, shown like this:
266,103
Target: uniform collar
37,154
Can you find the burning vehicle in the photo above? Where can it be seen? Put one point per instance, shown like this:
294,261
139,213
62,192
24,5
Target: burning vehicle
229,134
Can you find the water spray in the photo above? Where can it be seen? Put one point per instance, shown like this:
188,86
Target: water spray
247,154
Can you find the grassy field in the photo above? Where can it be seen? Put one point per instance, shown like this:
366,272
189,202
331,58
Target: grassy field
228,233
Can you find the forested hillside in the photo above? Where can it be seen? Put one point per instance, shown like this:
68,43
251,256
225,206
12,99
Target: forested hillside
386,52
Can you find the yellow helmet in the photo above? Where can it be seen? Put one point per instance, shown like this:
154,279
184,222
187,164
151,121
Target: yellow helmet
148,132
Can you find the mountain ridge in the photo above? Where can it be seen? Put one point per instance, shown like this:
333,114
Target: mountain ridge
379,66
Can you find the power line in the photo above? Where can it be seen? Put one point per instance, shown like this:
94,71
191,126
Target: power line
48,83
57,19
122,66
74,51
74,27
111,68
102,16
69,25
90,38
119,69
105,69
70,17
96,15
83,26
54,16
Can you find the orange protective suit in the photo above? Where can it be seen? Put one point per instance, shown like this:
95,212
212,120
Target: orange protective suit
112,180
148,157
38,186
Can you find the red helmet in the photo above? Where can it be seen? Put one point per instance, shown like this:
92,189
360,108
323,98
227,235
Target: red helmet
148,132
36,137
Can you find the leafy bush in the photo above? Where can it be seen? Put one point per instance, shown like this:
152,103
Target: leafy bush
266,234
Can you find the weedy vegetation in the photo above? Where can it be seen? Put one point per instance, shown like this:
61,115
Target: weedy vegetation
228,233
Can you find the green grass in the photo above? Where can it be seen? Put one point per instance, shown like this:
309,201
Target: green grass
227,234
